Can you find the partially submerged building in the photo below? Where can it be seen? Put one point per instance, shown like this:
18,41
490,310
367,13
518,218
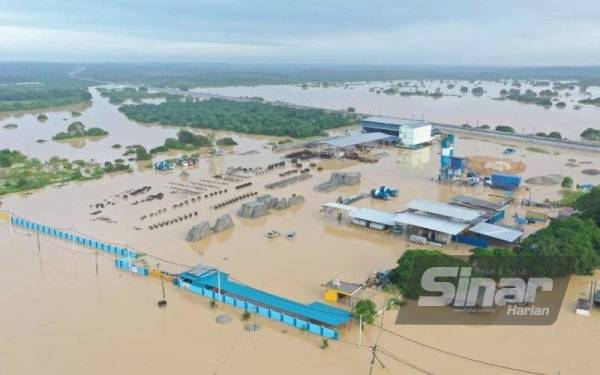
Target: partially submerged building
467,219
435,221
408,133
344,143
338,291
316,317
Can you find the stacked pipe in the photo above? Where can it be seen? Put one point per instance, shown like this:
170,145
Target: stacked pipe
234,200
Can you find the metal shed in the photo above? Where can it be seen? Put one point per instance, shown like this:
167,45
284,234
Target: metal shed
444,209
497,232
354,140
374,219
432,223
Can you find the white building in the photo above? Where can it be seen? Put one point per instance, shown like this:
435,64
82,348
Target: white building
409,133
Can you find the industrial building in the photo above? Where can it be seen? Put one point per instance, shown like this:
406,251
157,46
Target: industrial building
466,219
408,133
353,140
316,317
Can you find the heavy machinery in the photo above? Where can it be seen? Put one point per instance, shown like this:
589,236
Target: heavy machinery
384,193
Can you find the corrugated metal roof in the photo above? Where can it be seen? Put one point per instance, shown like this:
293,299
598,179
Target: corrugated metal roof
339,206
476,202
496,231
374,216
397,121
444,209
315,311
355,139
430,222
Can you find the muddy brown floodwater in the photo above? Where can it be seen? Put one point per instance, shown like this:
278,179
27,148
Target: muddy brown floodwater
453,108
60,317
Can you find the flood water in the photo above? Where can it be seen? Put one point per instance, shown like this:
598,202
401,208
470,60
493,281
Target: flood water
100,114
456,108
61,317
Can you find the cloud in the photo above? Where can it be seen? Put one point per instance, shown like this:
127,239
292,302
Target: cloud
18,42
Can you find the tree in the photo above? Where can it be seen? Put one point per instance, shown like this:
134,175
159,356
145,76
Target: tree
591,134
411,266
141,154
589,205
250,117
505,129
567,182
564,247
366,310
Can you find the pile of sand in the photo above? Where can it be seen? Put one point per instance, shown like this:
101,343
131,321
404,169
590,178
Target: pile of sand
487,165
547,180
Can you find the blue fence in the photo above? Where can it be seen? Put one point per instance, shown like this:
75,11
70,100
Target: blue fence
126,264
74,238
260,310
471,240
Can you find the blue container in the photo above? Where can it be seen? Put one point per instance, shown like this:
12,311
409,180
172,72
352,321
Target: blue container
457,163
506,181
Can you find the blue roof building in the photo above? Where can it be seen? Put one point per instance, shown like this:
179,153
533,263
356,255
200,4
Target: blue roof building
316,317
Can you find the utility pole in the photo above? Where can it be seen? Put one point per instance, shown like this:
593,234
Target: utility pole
360,327
38,244
373,358
163,301
96,262
219,284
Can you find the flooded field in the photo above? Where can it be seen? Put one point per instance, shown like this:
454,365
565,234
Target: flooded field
61,317
100,114
453,108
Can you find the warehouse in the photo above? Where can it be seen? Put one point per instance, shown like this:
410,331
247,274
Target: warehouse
408,133
354,140
493,211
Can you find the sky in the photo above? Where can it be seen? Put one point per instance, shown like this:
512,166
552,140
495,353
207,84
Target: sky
438,32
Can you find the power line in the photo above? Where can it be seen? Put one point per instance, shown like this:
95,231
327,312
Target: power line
461,356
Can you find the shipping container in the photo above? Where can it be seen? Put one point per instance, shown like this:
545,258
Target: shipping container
505,181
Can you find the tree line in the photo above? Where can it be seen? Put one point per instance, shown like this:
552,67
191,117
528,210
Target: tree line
243,117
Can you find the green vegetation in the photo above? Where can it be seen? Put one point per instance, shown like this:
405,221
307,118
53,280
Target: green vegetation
589,205
365,309
227,141
477,91
561,105
567,182
590,134
529,97
19,173
8,158
120,96
75,114
243,117
570,197
555,135
573,243
141,153
324,343
505,129
246,316
595,101
32,96
185,141
407,275
42,117
77,130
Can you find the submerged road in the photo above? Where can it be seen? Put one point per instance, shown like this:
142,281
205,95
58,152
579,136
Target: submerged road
493,134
